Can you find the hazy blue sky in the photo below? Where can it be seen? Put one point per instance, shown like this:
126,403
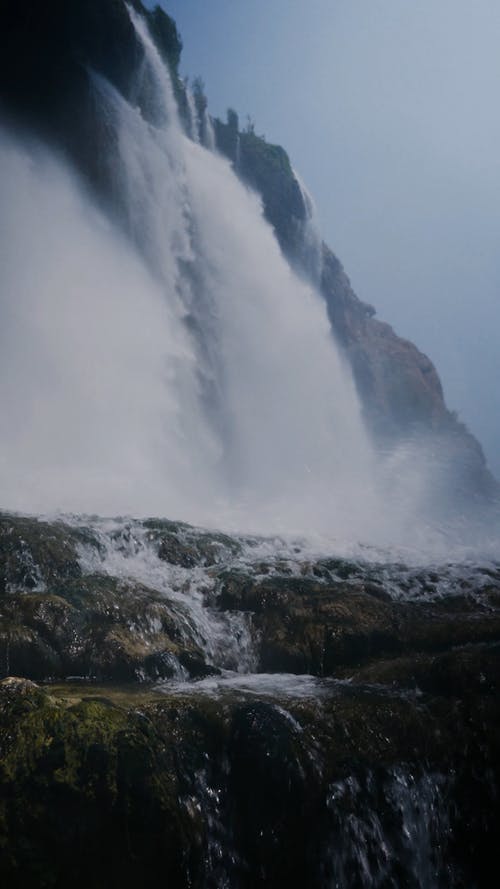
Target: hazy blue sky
390,111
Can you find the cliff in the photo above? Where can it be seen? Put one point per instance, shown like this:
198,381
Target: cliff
398,385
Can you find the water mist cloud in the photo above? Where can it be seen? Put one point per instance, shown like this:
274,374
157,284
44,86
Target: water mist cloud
85,351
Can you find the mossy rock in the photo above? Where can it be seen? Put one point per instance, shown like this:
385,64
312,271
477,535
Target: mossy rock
83,795
96,626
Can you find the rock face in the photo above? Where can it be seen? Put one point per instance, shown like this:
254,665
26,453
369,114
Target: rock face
398,384
382,771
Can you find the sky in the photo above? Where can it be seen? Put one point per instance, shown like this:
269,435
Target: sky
389,111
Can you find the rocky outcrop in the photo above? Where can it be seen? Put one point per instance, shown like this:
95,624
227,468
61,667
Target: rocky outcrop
399,385
268,170
59,619
385,767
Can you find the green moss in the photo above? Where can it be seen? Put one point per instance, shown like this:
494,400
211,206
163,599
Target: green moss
96,626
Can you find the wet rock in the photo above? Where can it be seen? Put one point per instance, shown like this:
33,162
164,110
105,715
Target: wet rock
58,620
464,671
111,633
108,787
33,554
311,626
179,544
73,624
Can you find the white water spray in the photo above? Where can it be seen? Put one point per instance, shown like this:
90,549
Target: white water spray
90,354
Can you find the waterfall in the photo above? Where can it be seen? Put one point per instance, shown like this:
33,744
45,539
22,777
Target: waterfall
165,358
208,132
90,354
311,243
192,374
277,398
193,115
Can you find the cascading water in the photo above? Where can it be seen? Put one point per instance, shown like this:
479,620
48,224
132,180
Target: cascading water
311,251
208,131
367,852
192,114
237,152
127,550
